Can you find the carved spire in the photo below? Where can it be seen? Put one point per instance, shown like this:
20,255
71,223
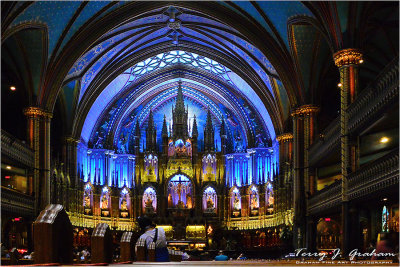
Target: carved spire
195,132
209,134
180,117
164,127
151,137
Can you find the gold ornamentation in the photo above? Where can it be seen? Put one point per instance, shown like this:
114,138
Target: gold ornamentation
37,112
305,110
349,56
286,137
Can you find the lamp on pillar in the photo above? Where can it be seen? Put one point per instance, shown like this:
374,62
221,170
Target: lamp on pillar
39,142
347,60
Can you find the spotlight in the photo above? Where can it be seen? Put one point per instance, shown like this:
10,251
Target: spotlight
361,61
339,84
384,140
13,88
385,199
8,167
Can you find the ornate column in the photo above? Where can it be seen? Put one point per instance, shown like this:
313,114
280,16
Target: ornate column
39,141
347,60
303,135
285,162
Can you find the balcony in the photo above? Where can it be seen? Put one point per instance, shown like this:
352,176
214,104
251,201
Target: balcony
16,149
362,113
370,178
16,202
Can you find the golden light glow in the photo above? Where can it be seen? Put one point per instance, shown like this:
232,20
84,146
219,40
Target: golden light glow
361,61
349,56
13,88
384,140
8,167
339,84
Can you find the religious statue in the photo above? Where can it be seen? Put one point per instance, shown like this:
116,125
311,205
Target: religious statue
104,202
254,202
169,200
210,203
189,204
148,202
87,200
124,204
236,203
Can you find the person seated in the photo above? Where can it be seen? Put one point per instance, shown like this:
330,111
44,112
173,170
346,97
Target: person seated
221,256
156,235
185,256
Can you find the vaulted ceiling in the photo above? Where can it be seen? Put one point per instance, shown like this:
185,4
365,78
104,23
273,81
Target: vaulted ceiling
65,56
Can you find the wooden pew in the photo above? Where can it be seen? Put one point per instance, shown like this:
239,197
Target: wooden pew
102,244
52,236
127,247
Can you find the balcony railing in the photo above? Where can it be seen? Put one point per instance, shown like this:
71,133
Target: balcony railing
326,198
17,202
16,149
375,176
365,110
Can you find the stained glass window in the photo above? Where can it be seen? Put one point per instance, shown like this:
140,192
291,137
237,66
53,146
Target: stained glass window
209,200
177,57
385,219
269,198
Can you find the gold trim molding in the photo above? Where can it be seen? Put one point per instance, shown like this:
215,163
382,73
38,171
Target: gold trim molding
305,110
37,112
286,137
349,56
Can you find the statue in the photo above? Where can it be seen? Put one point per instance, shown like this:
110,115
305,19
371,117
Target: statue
236,203
87,200
169,200
148,202
210,203
189,204
104,202
254,202
124,204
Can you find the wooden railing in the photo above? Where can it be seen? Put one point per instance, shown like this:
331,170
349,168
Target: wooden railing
375,176
14,201
363,112
16,149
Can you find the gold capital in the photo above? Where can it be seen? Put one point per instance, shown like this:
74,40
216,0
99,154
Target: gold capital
349,56
305,110
37,112
286,137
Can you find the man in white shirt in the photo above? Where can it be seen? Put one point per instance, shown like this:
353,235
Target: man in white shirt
156,235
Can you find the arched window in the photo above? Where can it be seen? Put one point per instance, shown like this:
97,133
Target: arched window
88,198
269,198
124,203
210,200
254,200
236,202
385,219
105,201
180,192
149,200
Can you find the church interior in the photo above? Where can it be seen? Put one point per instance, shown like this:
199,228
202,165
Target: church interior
249,127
